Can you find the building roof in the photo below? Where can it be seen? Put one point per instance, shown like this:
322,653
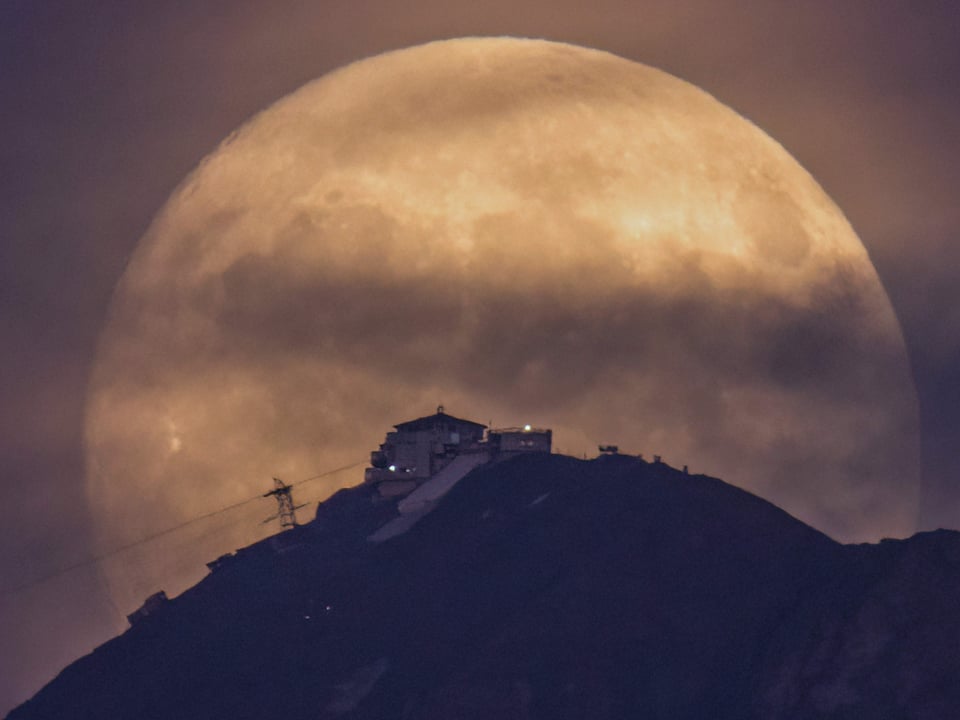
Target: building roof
431,421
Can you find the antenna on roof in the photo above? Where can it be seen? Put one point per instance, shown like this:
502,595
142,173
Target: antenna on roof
285,507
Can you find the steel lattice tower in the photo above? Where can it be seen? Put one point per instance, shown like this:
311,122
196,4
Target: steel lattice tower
285,508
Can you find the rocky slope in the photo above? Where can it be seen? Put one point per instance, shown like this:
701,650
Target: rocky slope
546,587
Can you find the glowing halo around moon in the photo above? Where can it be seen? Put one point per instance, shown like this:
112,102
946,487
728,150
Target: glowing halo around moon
523,231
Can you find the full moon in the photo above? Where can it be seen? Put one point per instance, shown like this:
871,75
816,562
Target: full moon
523,231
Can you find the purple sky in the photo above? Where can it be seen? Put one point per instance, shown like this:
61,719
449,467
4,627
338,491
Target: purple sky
105,106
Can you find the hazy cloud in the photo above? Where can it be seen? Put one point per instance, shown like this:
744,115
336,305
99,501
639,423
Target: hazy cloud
109,105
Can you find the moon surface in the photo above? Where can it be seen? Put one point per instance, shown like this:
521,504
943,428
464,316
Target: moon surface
523,231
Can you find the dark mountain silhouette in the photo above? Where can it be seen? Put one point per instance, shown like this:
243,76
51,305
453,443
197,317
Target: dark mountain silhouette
545,587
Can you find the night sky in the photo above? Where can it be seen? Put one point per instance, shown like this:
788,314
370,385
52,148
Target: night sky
107,106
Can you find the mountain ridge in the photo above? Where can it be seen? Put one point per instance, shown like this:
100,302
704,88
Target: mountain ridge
545,587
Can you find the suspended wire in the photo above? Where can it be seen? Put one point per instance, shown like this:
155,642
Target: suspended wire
159,534
327,473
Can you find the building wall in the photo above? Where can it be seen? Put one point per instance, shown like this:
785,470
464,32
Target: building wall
517,441
421,454
418,450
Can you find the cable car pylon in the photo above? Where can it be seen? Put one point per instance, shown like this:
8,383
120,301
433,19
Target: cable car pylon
286,510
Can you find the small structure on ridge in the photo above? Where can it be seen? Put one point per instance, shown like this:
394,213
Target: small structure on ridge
151,605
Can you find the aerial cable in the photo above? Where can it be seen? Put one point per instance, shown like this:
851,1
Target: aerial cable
154,536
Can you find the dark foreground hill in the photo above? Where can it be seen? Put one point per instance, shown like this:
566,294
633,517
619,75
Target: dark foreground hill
546,587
